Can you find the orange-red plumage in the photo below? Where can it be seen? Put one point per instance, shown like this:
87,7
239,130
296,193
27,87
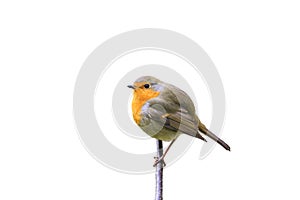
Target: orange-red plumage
140,96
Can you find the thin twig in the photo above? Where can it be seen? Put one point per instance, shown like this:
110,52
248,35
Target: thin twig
159,172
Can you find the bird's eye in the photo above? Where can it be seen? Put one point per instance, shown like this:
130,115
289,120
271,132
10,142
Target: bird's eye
147,86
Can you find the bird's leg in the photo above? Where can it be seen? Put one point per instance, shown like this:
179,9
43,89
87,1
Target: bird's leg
161,159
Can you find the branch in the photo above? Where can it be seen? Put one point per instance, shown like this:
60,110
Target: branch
159,172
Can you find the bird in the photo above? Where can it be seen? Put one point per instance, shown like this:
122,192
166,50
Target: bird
164,111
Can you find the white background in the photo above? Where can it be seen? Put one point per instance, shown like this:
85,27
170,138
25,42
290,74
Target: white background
255,46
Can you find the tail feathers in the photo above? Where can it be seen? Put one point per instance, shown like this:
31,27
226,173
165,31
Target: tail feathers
207,132
223,144
218,140
200,137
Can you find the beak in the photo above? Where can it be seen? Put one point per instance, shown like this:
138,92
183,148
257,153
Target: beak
131,86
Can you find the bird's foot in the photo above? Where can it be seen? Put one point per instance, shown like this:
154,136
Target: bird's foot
159,160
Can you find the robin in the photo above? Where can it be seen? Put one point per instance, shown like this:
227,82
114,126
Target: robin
164,111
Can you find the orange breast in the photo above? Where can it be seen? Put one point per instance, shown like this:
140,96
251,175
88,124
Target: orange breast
140,97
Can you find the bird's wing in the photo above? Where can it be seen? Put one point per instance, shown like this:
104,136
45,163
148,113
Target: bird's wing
179,120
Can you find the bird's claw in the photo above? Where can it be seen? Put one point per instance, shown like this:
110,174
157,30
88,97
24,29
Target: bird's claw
159,160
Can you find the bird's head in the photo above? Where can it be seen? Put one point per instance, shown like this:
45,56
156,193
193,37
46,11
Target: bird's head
146,87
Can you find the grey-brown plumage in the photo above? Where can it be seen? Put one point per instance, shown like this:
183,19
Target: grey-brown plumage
171,113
